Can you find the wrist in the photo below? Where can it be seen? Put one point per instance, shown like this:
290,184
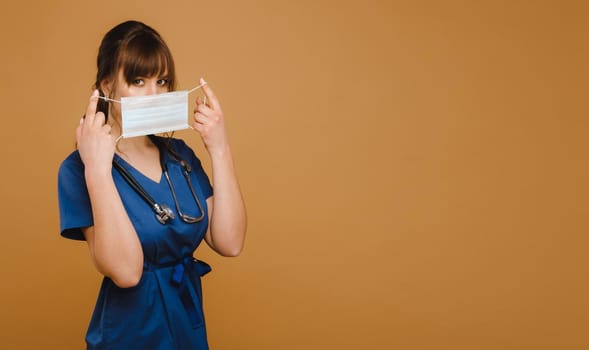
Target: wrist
220,152
97,175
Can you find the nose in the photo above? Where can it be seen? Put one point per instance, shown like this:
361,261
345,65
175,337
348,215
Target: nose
151,88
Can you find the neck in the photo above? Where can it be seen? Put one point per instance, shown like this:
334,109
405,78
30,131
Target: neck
137,143
127,146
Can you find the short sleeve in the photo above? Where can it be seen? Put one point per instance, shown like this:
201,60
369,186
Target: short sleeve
203,180
75,211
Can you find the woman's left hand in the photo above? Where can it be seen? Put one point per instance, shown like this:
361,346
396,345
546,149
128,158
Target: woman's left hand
210,122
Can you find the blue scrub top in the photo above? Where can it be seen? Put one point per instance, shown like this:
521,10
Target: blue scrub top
164,310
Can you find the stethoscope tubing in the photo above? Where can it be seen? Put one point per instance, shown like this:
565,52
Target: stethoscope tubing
162,212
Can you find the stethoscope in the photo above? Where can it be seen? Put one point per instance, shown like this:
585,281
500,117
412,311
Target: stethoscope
163,213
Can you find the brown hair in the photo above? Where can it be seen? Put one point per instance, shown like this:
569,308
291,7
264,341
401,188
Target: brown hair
138,50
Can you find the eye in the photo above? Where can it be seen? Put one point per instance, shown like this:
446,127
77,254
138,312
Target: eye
138,82
162,82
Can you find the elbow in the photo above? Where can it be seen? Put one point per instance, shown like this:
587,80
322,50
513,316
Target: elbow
126,277
235,250
232,253
128,280
124,274
230,243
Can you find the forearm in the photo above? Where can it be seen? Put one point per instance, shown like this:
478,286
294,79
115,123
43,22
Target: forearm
115,246
229,221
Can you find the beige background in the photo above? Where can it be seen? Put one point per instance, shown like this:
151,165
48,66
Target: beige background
415,171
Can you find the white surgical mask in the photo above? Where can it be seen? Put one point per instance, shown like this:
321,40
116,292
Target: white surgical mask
154,114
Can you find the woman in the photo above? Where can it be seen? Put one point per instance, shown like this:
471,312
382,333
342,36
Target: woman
151,295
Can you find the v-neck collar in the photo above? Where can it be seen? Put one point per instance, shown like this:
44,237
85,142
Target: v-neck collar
136,171
165,158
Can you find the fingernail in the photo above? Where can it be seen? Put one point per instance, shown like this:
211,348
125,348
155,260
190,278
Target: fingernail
81,121
202,80
95,92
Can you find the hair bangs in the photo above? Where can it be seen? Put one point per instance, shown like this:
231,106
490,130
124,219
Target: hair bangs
146,56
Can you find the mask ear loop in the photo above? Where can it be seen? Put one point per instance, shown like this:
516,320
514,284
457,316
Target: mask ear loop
109,99
197,87
204,98
117,101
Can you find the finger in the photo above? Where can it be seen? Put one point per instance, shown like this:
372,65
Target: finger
213,101
99,119
106,128
198,127
201,118
198,103
201,101
204,109
91,110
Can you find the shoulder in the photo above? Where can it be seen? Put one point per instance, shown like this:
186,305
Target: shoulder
71,182
72,164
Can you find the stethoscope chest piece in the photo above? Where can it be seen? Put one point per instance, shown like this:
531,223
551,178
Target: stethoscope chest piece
163,213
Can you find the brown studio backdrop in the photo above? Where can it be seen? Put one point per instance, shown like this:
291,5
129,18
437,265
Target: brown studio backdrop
414,171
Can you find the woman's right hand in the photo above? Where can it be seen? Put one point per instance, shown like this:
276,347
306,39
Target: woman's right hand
96,145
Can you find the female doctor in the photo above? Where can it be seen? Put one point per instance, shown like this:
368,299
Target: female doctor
151,295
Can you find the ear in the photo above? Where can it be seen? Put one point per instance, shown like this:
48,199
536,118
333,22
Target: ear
106,87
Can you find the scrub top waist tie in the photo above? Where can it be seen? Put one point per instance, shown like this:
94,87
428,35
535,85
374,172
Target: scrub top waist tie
190,297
